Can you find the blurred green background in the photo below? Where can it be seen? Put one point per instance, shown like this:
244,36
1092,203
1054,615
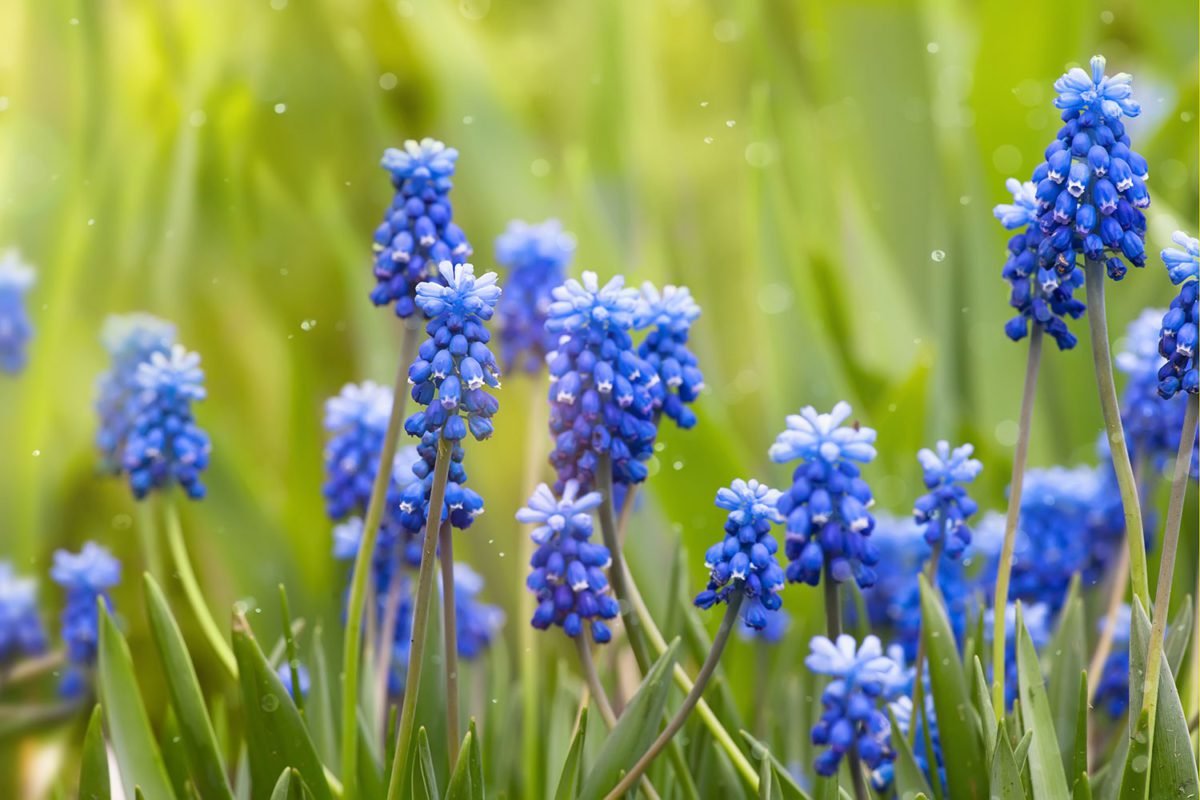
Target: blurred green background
821,175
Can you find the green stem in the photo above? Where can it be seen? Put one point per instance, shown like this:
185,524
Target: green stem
191,589
293,660
352,643
450,638
31,668
619,572
148,539
535,457
689,702
1017,486
420,624
1162,597
1102,362
918,697
833,628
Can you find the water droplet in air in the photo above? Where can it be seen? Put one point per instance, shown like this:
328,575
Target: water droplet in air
37,453
280,108
938,255
729,123
933,47
708,140
308,324
388,81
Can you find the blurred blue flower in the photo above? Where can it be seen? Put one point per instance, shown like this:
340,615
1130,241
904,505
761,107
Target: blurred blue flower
86,577
828,525
476,623
164,444
671,312
1038,618
1112,691
418,231
778,623
602,393
536,257
130,339
284,672
567,573
21,632
745,560
1179,325
16,330
903,712
356,420
852,720
944,510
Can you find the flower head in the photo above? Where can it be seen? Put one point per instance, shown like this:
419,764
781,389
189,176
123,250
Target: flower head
672,312
536,257
476,623
16,278
1182,265
1181,324
418,231
1112,690
86,577
164,444
129,339
1111,97
567,575
21,632
1023,209
745,560
945,508
815,437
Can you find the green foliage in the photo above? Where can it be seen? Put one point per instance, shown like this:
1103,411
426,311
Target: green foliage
1045,762
94,783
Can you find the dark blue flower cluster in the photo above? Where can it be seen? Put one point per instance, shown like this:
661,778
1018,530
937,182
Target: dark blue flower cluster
745,561
129,339
944,510
86,577
418,231
671,312
356,420
536,257
602,393
16,330
477,623
903,712
1038,619
1179,324
852,720
21,632
164,443
567,573
1112,690
460,508
828,525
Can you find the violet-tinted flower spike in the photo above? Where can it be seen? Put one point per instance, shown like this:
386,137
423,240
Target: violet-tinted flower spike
1180,332
86,576
129,339
671,313
945,509
477,623
21,631
536,257
16,278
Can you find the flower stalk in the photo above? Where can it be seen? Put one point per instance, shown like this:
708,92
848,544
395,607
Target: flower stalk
450,638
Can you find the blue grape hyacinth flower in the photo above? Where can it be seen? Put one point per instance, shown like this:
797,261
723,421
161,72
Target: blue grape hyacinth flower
852,721
130,340
602,393
418,230
671,313
16,278
828,524
284,673
946,507
536,256
1112,690
903,712
567,575
21,631
356,419
164,444
745,560
477,623
1179,325
86,577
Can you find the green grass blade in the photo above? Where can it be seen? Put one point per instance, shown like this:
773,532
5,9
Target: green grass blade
94,783
768,788
459,787
1064,660
1079,764
424,777
1174,772
571,779
983,705
475,764
1005,775
1046,771
910,780
787,784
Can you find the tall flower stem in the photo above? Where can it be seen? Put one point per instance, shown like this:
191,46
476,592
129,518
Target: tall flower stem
1170,549
351,645
833,629
918,697
689,702
450,638
536,439
420,624
1094,274
148,539
1017,487
619,573
191,590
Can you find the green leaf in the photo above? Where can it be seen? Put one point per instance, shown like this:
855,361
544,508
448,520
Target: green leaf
290,786
962,739
910,780
1179,632
195,729
1079,764
634,731
983,705
138,757
1005,776
424,777
1046,771
475,764
1083,788
1134,778
1174,765
1064,660
767,790
460,779
94,783
276,737
370,761
1021,751
571,778
787,784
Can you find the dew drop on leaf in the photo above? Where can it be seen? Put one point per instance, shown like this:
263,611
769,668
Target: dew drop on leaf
938,255
269,703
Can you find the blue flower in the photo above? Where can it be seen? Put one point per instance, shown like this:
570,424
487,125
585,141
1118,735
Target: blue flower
164,444
672,312
602,393
1037,619
356,419
477,624
903,712
1112,690
86,577
418,231
1112,97
1023,209
567,575
536,257
130,339
284,672
1179,325
944,510
852,720
16,278
773,632
828,525
745,560
21,632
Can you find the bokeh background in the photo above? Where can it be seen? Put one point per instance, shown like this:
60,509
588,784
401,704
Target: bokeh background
820,174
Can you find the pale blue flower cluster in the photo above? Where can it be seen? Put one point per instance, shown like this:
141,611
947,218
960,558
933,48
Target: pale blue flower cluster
945,508
477,623
86,577
21,631
536,257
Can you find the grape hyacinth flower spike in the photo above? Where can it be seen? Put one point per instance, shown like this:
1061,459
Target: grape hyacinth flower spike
945,508
130,340
418,231
21,632
536,257
478,622
1178,340
671,312
16,278
86,577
